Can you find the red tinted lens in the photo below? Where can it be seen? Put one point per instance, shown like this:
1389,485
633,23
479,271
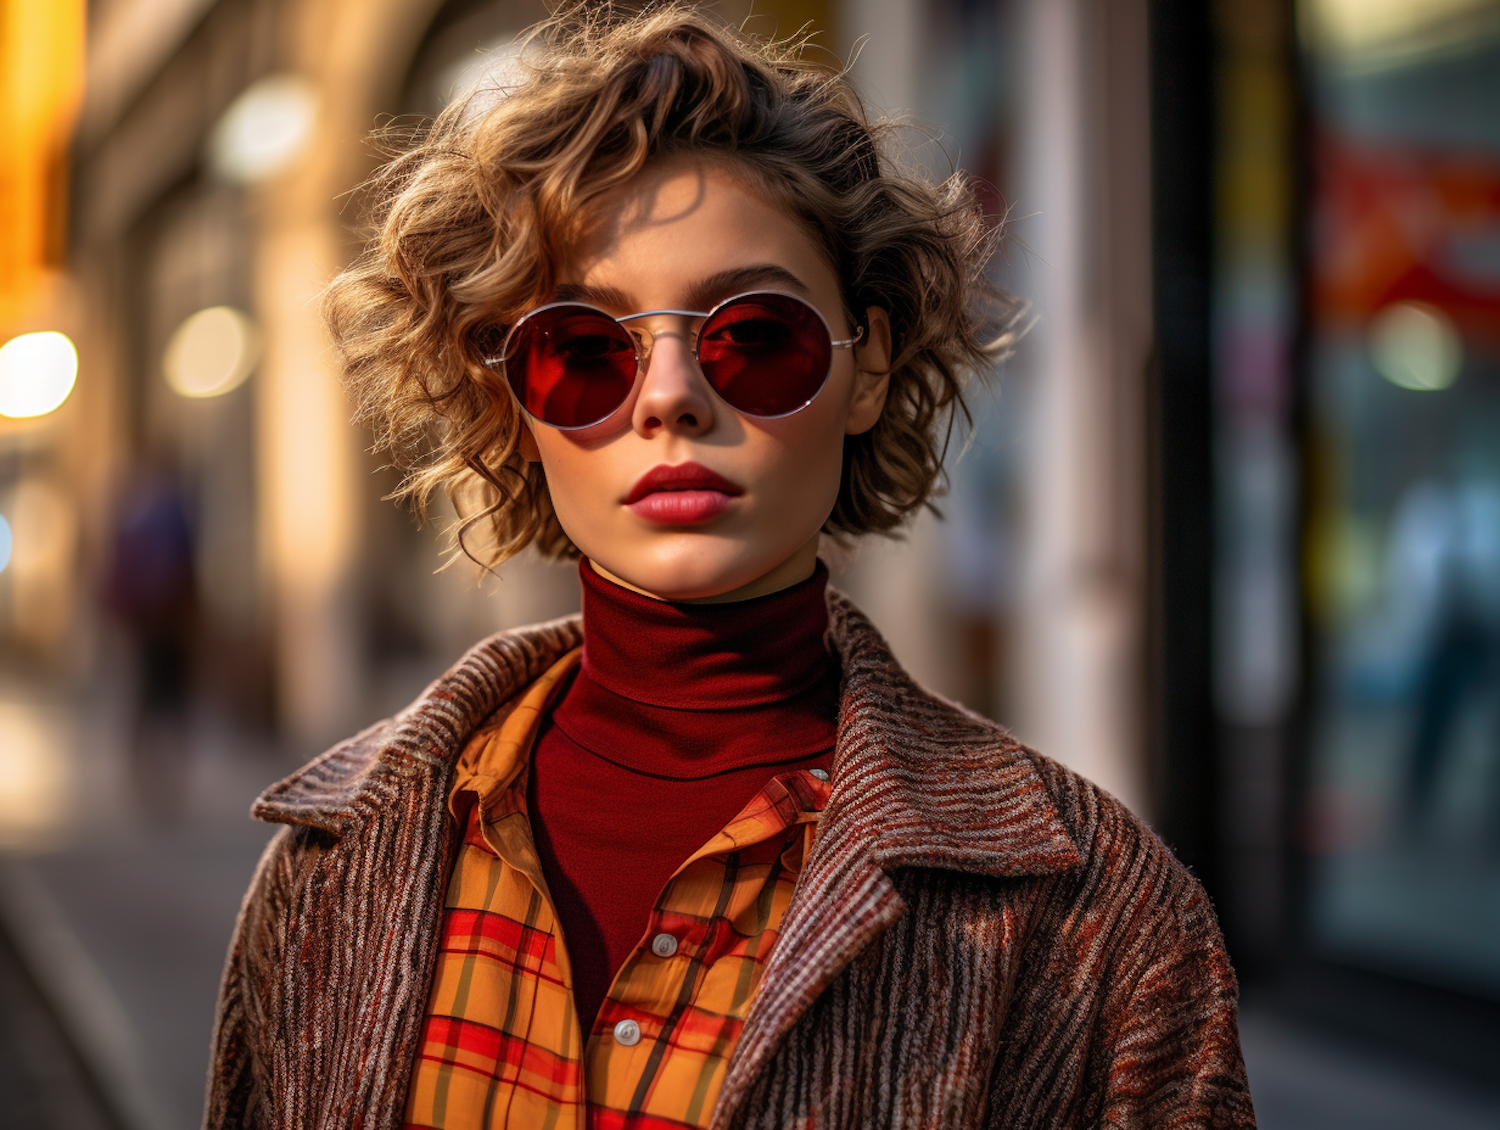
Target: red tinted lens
765,354
570,366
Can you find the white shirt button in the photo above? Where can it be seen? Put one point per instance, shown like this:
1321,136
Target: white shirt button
628,1032
820,774
664,945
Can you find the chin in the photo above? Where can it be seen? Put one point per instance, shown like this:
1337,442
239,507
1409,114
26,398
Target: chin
685,581
694,573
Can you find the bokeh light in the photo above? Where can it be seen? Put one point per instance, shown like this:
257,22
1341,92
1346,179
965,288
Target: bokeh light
264,129
1354,26
6,542
1415,346
211,352
35,778
37,372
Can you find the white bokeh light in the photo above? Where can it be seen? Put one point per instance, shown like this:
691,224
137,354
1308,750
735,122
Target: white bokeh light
485,76
211,352
7,541
37,372
1415,346
264,129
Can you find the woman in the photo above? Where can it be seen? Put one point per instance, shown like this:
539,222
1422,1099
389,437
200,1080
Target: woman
708,857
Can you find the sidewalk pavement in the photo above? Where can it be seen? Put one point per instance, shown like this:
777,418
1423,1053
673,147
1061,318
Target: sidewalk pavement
1304,1078
41,1081
121,910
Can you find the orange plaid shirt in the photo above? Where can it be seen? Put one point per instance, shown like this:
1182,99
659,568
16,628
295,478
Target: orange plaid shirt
501,1045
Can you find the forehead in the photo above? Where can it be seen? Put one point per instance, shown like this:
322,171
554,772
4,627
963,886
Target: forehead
689,219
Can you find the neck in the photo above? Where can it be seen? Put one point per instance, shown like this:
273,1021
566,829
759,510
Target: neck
794,570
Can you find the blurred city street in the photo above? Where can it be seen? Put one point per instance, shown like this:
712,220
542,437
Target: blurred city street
1223,534
123,903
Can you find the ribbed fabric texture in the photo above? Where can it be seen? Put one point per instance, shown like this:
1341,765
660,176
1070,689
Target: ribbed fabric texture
677,717
979,938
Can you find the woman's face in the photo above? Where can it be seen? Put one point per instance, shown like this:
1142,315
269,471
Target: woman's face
686,236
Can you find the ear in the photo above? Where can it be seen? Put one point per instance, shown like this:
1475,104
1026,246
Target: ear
872,373
526,442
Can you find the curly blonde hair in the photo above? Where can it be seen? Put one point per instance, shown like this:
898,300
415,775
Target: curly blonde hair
471,213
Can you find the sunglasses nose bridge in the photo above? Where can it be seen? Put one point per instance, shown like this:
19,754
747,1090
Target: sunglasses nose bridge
646,335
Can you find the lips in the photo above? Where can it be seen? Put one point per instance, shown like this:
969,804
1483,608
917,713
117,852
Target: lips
686,493
684,476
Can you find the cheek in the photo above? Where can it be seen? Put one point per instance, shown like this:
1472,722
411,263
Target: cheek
575,482
808,465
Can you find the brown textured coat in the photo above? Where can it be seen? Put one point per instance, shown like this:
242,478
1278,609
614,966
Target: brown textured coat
980,938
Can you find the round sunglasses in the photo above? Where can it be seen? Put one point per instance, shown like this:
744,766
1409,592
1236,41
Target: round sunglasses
572,365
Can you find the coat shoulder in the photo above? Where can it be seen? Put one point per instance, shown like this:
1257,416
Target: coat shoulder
1129,940
320,793
1120,856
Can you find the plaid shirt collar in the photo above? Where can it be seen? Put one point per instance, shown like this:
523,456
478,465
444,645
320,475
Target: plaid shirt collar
492,771
983,809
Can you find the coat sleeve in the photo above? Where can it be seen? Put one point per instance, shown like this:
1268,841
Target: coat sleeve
1171,1047
236,1080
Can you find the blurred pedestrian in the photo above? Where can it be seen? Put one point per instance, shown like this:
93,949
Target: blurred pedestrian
1461,659
151,587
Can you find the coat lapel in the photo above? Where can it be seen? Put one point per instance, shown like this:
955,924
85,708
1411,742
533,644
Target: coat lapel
917,782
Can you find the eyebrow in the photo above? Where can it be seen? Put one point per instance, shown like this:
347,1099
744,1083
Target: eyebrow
701,295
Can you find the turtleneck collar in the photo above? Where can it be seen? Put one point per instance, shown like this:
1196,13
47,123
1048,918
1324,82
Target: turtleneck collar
692,691
705,656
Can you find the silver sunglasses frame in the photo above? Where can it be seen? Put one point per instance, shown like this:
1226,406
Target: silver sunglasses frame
643,356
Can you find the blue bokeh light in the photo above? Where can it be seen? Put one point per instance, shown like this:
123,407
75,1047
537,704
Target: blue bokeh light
5,543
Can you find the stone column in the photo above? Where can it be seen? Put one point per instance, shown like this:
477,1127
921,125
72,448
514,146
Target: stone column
1082,211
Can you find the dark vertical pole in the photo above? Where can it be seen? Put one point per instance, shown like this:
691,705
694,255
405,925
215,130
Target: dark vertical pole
1182,116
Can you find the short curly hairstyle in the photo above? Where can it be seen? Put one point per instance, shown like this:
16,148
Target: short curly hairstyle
472,211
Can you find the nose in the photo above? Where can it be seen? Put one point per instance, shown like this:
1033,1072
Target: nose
674,394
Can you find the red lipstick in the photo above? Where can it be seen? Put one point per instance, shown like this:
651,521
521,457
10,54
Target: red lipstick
681,495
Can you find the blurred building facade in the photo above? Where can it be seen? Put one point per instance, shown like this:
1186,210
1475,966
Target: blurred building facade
1223,536
317,604
1396,824
1345,695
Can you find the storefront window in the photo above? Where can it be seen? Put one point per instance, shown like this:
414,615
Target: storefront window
1402,464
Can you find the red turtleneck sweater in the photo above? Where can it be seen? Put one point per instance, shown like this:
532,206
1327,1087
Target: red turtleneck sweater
678,715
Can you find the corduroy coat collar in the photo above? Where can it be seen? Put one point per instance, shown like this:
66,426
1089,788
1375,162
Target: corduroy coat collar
968,799
959,814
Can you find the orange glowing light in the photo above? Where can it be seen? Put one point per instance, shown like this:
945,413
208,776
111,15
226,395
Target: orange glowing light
41,85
